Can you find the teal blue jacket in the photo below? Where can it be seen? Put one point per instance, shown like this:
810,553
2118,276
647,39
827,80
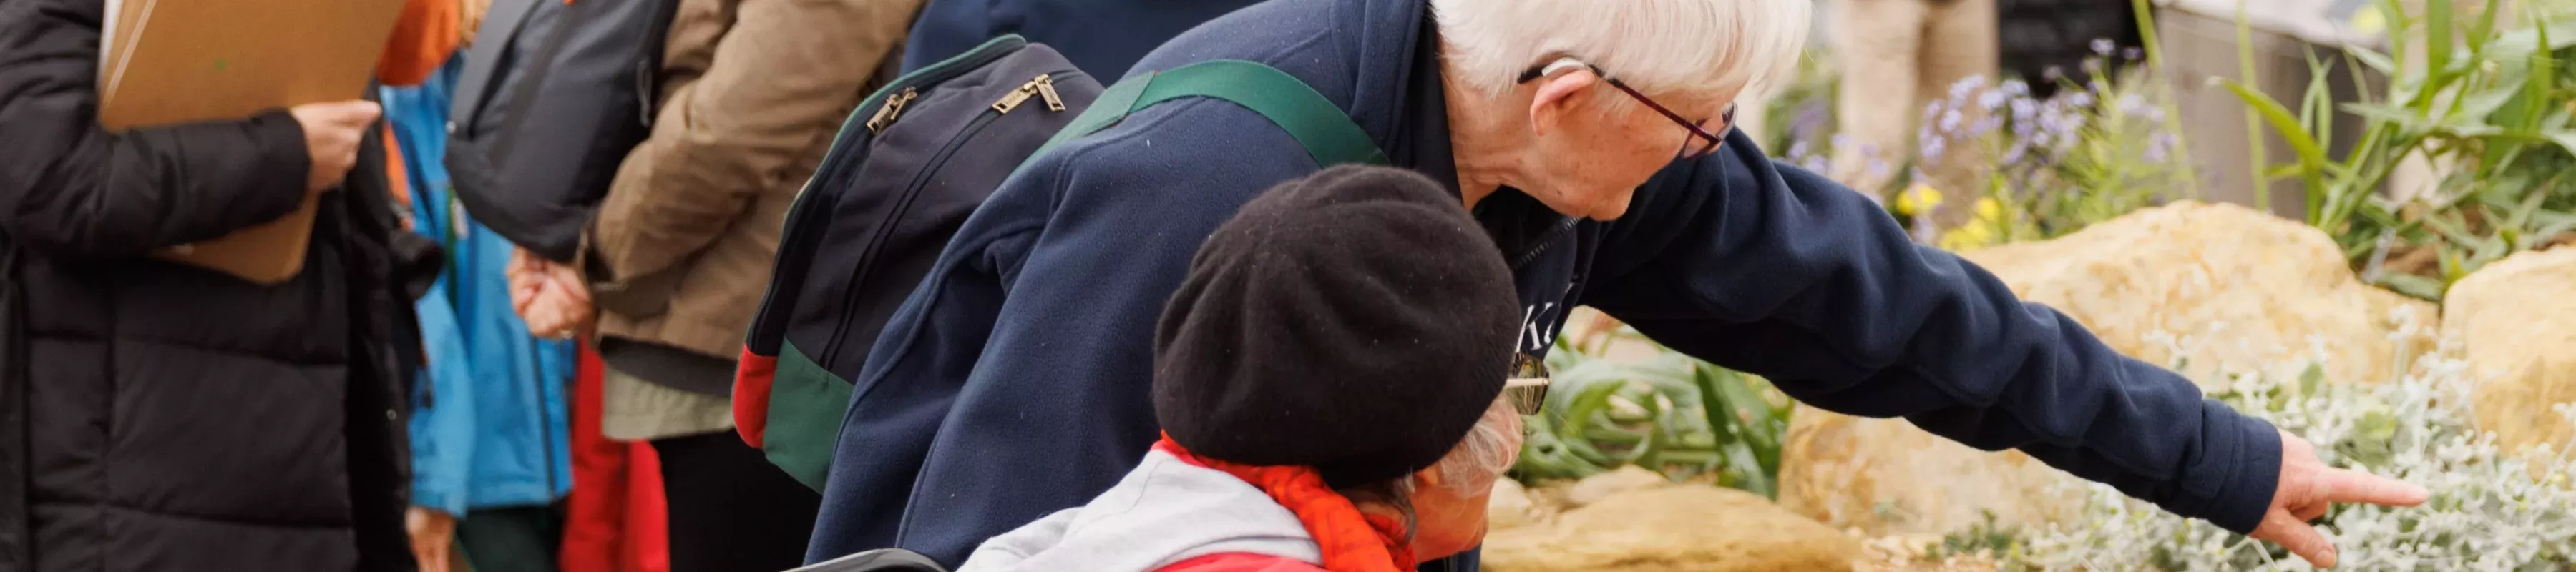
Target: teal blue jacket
488,424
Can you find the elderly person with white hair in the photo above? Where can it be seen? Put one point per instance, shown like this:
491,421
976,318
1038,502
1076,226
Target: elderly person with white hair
1591,142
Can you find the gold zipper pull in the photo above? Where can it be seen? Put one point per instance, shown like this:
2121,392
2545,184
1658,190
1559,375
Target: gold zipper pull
893,108
1016,97
1046,89
1013,99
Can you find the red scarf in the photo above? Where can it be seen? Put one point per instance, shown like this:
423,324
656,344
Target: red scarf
1352,541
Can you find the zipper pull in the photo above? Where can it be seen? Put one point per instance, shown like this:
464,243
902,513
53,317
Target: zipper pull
893,108
1013,99
1046,89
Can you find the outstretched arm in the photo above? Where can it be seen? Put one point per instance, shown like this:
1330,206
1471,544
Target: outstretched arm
1782,273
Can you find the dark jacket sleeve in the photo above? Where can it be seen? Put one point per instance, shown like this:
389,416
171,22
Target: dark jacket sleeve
1782,273
68,186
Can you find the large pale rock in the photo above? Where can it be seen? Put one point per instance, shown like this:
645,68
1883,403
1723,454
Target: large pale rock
2237,290
1888,477
2243,291
1509,505
2516,322
1595,488
1673,529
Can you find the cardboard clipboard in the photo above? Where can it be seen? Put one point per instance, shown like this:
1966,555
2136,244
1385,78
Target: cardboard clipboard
165,62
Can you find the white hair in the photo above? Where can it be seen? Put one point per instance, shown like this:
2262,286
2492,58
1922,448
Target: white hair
1471,467
1485,454
1655,46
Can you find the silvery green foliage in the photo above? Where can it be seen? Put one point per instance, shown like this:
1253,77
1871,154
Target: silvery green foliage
2491,510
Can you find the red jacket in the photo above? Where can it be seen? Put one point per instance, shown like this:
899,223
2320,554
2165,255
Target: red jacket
1240,562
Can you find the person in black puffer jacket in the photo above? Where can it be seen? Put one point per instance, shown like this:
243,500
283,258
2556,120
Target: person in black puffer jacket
157,416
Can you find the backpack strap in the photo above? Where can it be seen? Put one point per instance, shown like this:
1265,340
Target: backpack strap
1328,134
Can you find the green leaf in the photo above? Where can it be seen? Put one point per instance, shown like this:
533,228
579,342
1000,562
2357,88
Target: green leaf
2485,28
2402,118
2452,268
2317,104
2437,35
2566,139
2312,158
2483,103
2561,33
2543,77
2374,59
2413,286
2281,170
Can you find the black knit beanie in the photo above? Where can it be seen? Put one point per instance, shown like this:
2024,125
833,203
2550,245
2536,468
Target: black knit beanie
1356,320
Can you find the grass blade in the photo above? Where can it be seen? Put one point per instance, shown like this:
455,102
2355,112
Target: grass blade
2312,158
2437,35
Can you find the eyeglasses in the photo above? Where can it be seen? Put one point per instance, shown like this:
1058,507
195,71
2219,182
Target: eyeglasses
1700,144
1527,387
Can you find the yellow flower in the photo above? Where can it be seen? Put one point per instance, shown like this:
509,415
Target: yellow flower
1968,237
1917,200
2368,20
1990,210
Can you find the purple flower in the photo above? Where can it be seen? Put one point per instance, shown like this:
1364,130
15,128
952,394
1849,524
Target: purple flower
1959,90
2080,99
1931,110
2092,65
2063,125
1932,149
2016,88
1950,121
2132,54
1986,125
1798,150
2015,154
2102,46
2158,146
2024,110
1810,122
1816,164
1877,168
1990,100
2133,105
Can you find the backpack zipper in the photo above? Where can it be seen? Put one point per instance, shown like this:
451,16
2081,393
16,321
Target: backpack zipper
849,146
893,108
1042,86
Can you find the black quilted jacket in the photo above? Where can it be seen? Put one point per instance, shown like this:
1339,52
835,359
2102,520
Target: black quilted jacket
155,416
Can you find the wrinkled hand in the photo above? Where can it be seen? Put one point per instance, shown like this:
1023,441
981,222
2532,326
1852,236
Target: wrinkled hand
2309,487
550,297
331,135
433,532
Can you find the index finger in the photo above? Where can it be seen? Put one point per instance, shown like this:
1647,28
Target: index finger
2345,486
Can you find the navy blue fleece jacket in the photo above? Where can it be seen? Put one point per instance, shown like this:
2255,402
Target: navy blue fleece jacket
1103,37
1015,381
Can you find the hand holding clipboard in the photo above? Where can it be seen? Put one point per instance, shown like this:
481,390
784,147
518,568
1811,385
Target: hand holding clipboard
165,62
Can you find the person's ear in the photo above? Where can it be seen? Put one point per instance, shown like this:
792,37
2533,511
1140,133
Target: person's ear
1427,477
1559,98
